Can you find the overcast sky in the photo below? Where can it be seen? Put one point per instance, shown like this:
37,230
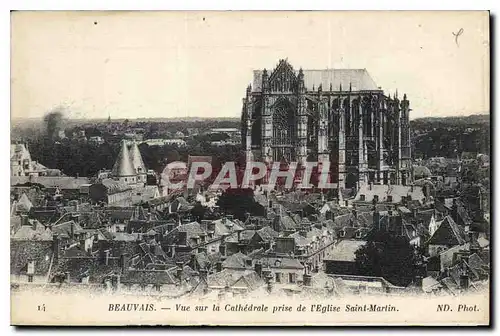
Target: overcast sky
188,64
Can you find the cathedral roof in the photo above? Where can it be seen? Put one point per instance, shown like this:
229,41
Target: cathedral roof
359,79
123,165
135,156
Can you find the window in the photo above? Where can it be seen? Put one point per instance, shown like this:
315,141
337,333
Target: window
362,198
389,198
278,277
291,277
375,198
30,278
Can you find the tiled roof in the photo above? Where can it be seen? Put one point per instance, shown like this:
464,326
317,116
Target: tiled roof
281,263
429,284
64,229
267,233
397,192
21,252
235,261
92,267
448,233
61,182
345,250
26,232
359,79
147,277
185,234
24,204
114,187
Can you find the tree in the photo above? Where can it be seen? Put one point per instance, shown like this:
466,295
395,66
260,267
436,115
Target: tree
389,256
238,202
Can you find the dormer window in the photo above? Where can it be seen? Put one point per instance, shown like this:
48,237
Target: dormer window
342,233
389,198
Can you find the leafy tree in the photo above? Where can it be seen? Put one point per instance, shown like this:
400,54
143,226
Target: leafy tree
389,256
238,202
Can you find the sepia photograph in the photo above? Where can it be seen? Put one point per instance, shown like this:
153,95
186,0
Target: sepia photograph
256,168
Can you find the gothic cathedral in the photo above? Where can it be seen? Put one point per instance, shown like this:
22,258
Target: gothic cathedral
335,115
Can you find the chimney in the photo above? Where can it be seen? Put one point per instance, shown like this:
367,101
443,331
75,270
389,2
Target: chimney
415,212
123,262
370,186
180,268
203,273
464,280
106,257
418,281
33,224
268,278
222,249
258,268
55,246
66,278
82,245
307,279
205,224
24,220
218,266
223,220
303,232
354,211
193,261
72,230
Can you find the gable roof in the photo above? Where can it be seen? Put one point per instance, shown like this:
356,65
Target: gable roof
359,79
235,261
448,233
21,252
345,250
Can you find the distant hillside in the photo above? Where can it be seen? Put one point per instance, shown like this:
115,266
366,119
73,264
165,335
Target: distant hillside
450,136
475,119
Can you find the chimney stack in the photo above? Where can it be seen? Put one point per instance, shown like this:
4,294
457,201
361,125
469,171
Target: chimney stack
82,245
258,268
180,269
222,249
218,266
24,220
204,274
307,279
66,277
106,257
55,246
123,262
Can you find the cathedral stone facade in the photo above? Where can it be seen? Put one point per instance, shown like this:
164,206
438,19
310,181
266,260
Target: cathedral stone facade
335,115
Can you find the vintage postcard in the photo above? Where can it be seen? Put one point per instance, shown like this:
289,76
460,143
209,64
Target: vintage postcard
250,168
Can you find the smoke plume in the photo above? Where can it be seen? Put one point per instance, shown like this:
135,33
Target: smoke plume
53,123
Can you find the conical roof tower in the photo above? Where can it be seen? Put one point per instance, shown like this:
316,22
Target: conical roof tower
136,158
123,165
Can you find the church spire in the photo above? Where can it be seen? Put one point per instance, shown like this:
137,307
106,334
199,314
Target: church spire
123,165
